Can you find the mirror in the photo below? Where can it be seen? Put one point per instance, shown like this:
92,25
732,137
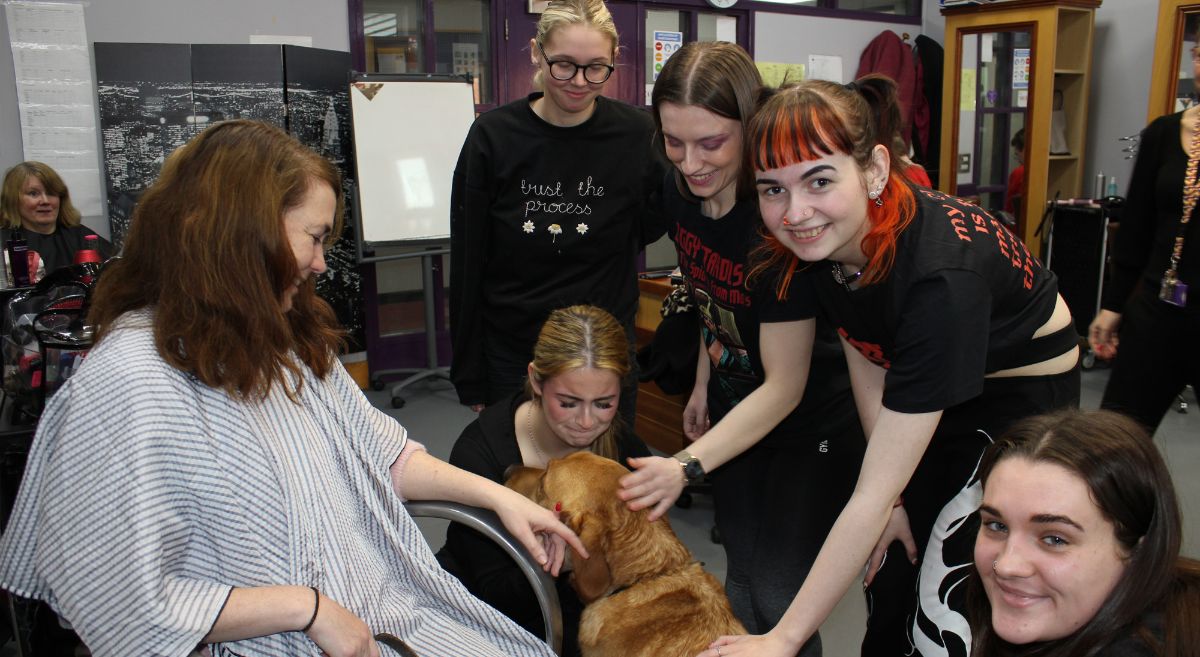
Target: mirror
993,103
1185,86
1172,87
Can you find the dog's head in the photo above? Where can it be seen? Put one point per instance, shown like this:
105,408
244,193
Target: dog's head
623,546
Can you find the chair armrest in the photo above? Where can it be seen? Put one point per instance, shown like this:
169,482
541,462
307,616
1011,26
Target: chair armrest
488,523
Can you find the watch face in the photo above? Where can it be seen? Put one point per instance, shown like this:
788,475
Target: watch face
722,4
693,470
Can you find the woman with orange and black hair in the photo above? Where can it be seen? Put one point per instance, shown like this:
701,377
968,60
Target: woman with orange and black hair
952,330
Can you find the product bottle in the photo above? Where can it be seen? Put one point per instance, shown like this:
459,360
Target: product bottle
18,256
90,251
1112,186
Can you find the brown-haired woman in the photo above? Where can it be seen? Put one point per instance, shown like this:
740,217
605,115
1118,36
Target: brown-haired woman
211,474
569,404
760,450
36,205
1078,546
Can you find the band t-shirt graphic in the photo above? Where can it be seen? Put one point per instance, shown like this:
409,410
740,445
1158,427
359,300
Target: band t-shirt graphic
714,258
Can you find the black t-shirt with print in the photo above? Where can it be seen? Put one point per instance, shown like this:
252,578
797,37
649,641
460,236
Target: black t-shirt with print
714,258
963,299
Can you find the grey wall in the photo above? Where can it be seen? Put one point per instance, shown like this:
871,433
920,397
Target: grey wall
178,21
1120,93
791,38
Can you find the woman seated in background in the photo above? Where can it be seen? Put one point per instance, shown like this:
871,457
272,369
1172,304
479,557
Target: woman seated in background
569,404
1078,547
36,204
212,475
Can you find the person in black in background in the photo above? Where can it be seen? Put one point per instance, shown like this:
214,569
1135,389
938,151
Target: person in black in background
551,203
569,404
36,204
1156,325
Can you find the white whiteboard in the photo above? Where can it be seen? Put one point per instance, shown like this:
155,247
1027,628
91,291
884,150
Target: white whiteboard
407,136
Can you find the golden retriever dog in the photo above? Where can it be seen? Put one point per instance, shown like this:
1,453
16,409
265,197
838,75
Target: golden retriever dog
644,594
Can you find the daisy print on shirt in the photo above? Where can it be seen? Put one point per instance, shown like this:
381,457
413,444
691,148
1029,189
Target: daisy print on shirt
553,202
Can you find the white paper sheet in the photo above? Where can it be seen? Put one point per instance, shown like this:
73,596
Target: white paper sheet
825,67
55,95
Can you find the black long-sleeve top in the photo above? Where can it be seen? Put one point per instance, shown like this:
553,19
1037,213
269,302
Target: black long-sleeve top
1150,218
544,217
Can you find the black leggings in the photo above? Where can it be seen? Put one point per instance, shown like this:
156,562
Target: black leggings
919,610
1158,355
775,504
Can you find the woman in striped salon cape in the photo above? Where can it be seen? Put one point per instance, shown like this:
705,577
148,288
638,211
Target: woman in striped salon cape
211,479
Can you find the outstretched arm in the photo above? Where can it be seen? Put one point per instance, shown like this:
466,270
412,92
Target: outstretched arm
538,529
896,443
786,355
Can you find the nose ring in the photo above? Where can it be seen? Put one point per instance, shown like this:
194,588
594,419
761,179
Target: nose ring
785,223
994,567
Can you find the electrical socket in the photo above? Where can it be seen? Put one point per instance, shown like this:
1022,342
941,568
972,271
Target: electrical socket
964,163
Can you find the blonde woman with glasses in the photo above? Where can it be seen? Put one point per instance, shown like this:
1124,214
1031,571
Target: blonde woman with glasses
553,198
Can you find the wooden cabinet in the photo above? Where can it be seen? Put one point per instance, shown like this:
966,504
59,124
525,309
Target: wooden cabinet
659,415
1059,56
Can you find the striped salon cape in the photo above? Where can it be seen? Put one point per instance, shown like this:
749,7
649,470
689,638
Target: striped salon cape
148,495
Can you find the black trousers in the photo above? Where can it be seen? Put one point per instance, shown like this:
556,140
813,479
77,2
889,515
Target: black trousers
1158,355
920,610
775,504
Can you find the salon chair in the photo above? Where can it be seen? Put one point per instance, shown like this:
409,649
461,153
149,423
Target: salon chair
488,523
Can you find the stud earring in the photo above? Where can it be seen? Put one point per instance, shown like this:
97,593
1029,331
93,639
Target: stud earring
872,195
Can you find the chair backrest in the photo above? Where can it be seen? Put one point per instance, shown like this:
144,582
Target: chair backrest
487,523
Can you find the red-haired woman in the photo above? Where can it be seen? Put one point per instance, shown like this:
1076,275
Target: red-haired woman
952,330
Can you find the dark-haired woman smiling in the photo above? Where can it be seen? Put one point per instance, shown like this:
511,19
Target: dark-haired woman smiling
1078,548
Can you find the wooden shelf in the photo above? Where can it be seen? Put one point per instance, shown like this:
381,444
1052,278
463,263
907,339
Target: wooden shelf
1060,43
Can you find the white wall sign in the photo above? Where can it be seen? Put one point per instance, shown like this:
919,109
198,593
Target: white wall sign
55,95
665,45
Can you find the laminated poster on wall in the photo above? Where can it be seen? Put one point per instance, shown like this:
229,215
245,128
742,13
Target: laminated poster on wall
53,73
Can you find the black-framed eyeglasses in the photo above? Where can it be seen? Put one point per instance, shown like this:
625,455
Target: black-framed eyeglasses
563,70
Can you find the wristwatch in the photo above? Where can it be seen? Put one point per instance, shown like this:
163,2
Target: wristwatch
693,471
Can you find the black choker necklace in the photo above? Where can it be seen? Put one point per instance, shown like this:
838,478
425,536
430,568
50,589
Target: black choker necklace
843,279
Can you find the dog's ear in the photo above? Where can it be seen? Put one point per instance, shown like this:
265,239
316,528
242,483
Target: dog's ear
592,577
524,480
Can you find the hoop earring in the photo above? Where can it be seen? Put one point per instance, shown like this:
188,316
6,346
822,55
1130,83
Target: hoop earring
994,567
